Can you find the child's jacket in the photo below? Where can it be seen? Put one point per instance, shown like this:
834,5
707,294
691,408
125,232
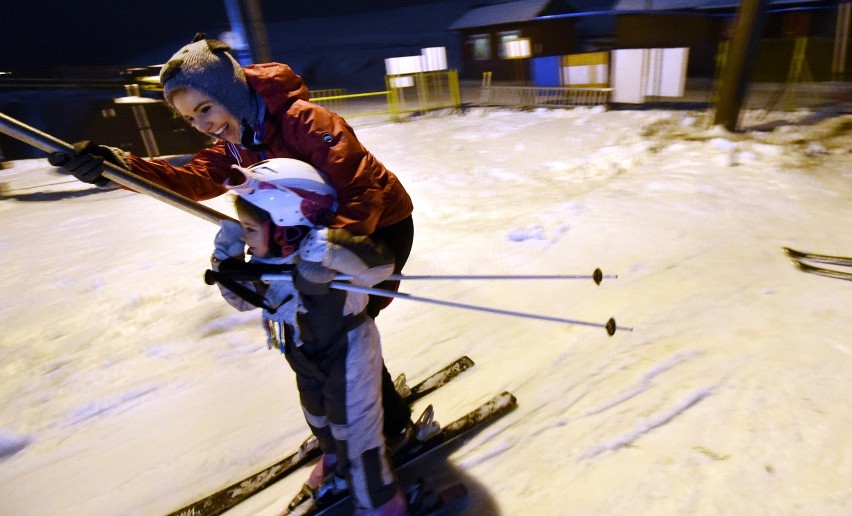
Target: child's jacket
314,323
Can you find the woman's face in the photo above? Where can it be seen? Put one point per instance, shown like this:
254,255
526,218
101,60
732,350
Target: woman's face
206,115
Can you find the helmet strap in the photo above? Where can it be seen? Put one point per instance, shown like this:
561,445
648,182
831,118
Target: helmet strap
276,236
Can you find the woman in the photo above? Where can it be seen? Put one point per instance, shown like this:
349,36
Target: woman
260,112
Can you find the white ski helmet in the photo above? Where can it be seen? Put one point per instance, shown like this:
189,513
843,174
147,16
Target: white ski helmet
293,192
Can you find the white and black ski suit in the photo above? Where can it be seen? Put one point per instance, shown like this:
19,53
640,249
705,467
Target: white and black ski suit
335,350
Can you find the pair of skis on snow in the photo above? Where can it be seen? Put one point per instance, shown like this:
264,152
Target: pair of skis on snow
430,501
814,263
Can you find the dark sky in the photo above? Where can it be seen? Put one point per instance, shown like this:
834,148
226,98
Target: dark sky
38,36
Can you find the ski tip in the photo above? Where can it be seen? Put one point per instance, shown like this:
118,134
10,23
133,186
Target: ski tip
791,253
597,276
506,399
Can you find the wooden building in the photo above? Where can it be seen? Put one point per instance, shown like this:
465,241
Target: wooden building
562,27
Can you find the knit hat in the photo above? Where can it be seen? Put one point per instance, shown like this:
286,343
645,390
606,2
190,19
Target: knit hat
207,66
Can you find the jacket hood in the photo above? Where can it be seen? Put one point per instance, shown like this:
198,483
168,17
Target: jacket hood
277,83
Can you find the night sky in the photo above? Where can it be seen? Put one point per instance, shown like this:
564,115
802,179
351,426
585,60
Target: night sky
37,37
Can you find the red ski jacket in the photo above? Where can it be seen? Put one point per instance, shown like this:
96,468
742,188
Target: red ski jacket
369,195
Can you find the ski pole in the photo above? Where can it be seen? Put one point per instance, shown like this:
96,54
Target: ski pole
250,271
597,276
610,325
40,140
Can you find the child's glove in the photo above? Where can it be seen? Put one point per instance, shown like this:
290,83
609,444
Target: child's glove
87,162
314,247
228,242
312,278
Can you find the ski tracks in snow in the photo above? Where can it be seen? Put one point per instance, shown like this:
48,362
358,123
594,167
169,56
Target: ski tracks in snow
643,384
583,390
119,403
646,425
657,419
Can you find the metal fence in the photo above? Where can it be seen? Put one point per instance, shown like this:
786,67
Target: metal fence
334,99
423,91
405,94
533,96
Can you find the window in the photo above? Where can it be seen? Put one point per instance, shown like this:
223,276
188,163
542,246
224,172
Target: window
480,47
505,37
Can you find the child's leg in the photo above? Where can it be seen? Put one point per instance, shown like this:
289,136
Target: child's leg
310,382
354,408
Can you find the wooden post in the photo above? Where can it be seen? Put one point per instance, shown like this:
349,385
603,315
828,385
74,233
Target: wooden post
841,41
735,76
257,31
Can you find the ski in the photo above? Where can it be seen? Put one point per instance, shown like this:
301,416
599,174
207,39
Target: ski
823,271
228,497
483,415
844,261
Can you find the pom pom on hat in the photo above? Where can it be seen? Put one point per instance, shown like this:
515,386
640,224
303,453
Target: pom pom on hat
207,66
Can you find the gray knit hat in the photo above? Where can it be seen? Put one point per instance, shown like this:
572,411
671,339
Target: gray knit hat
206,65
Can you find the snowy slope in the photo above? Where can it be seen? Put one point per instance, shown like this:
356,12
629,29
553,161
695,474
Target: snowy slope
130,387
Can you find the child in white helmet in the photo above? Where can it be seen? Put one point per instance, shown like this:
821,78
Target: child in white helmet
329,341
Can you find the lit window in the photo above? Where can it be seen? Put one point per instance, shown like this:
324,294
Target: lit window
505,37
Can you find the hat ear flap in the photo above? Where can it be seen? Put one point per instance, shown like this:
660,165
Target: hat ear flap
212,44
215,45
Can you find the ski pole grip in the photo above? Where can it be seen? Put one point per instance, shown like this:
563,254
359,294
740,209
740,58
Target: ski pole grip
210,277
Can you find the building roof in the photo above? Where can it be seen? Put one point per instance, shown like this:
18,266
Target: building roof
508,12
732,4
671,5
529,10
656,5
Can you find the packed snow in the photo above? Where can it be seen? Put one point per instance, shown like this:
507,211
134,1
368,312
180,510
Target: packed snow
130,387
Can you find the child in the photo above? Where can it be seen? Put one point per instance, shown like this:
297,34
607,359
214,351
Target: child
330,342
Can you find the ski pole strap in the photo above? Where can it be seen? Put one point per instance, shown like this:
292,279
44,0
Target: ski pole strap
212,277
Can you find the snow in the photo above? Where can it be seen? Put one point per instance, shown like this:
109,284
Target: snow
130,387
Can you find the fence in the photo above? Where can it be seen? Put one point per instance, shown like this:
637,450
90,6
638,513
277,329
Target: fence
423,91
407,93
334,99
534,96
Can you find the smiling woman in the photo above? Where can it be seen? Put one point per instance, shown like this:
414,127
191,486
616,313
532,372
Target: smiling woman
207,86
257,113
206,115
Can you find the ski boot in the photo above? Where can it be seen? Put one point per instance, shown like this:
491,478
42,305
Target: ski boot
414,433
323,482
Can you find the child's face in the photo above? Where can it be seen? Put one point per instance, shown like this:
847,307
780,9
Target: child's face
206,115
255,235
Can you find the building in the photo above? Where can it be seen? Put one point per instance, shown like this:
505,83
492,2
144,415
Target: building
560,27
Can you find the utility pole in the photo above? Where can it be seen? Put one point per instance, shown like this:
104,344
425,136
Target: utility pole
735,77
257,31
841,41
250,42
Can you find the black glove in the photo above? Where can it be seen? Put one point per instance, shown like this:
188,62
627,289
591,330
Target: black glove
312,278
87,162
